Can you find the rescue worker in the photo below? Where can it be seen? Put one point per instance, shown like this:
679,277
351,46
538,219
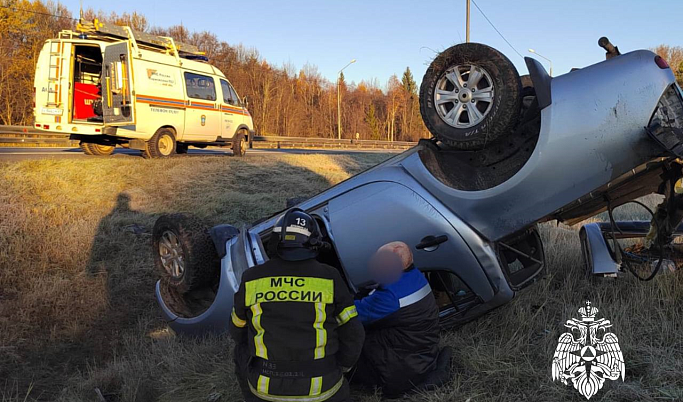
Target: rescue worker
294,321
401,321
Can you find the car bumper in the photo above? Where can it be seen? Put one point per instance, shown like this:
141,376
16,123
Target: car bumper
596,253
596,239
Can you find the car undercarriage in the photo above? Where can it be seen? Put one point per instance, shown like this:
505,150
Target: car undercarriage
507,153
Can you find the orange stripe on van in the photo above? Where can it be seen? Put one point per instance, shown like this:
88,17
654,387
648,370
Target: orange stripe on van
162,99
234,110
202,104
158,100
159,103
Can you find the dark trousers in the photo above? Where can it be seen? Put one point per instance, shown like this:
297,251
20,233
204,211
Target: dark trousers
364,375
242,357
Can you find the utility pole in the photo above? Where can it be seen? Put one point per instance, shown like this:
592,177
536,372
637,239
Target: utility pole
467,28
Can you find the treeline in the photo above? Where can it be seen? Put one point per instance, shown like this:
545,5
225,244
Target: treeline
24,26
282,100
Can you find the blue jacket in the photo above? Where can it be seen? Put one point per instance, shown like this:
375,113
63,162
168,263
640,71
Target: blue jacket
386,300
401,332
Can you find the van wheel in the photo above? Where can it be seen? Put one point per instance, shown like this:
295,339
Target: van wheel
184,253
470,96
161,145
181,148
239,144
96,149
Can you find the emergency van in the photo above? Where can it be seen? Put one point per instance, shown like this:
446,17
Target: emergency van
108,86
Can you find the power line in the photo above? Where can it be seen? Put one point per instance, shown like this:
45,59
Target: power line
496,29
38,12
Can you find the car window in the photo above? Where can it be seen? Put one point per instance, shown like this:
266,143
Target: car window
229,95
200,87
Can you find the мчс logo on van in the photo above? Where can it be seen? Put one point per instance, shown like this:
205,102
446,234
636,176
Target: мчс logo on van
160,78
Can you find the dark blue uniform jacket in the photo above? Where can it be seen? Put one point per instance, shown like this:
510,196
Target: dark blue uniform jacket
402,331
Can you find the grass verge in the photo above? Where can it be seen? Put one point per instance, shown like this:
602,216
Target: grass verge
77,310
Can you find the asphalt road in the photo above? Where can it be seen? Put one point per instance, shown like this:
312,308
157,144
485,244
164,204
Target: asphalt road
11,154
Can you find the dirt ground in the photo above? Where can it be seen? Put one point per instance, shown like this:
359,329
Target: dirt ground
77,308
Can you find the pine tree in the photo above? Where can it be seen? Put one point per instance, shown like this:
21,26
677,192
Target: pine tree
371,119
342,82
410,110
408,82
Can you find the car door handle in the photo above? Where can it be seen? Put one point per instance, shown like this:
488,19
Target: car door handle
430,242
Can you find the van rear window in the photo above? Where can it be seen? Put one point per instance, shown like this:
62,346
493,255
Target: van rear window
200,87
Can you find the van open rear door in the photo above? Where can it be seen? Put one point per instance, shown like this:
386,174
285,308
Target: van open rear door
117,92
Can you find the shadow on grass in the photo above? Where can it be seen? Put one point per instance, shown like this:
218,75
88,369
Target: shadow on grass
95,325
121,255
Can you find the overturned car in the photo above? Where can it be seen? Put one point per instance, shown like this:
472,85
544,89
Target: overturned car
508,152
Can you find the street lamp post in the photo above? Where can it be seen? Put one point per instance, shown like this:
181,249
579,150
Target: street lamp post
339,99
543,57
467,24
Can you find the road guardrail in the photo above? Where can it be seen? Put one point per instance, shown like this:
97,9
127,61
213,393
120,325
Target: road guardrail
28,135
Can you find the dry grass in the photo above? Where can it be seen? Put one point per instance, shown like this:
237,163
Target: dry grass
77,310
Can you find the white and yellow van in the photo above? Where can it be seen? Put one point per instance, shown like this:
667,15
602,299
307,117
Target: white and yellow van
108,85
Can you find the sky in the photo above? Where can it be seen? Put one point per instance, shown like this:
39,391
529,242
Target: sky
386,36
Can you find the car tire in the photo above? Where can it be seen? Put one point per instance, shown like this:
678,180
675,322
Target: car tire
530,107
184,253
239,144
527,86
161,145
96,149
181,148
464,118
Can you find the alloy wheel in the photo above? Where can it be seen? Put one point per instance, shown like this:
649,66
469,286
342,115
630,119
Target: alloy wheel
464,95
172,255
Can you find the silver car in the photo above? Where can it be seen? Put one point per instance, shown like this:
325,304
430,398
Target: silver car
508,152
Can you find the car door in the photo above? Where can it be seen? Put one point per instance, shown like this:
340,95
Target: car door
374,214
231,110
117,78
202,115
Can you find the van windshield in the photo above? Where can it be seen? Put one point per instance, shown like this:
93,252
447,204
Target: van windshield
229,94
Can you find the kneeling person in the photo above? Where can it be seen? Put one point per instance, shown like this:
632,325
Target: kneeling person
294,321
401,321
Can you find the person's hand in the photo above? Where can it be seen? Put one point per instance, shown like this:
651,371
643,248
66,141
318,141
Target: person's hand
365,290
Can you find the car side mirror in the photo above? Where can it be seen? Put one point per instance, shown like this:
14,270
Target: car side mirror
245,101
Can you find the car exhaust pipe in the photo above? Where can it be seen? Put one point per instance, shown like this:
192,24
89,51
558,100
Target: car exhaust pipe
611,50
